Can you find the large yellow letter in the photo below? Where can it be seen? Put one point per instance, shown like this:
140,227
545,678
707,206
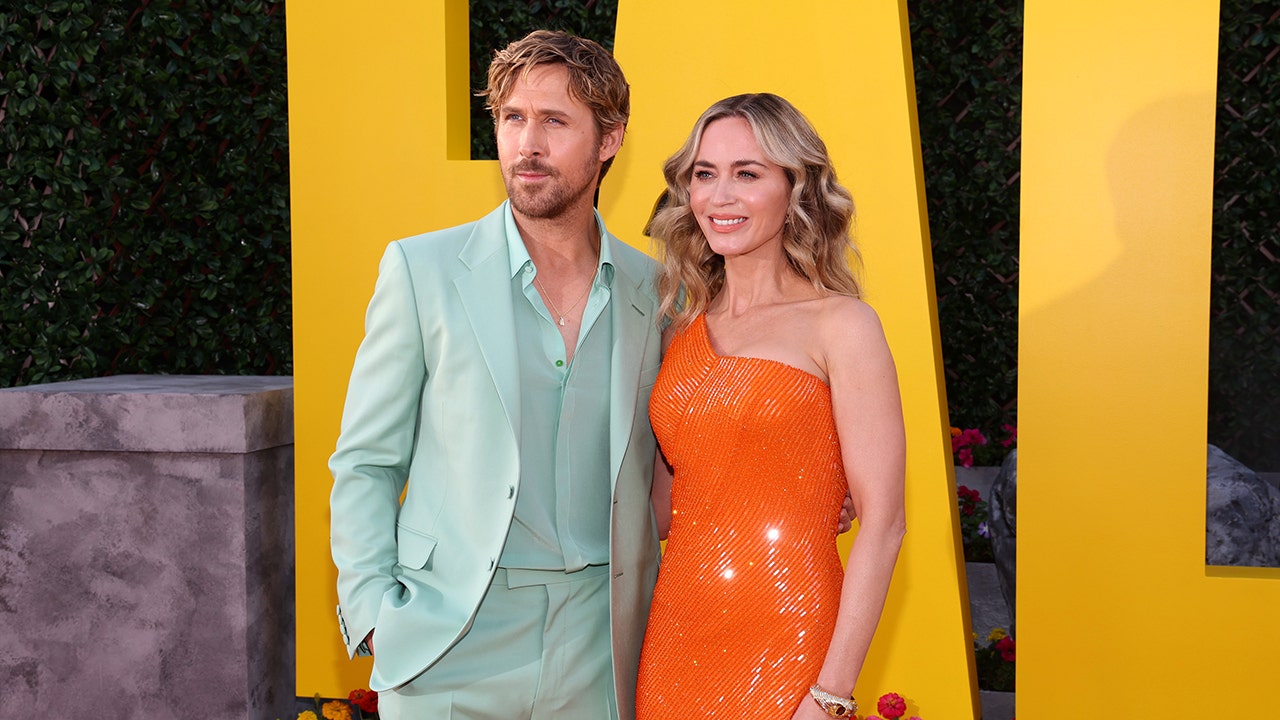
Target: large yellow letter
1117,612
378,143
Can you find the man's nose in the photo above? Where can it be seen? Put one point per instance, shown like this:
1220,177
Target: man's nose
533,140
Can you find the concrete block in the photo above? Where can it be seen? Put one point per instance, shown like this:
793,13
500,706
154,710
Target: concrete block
146,547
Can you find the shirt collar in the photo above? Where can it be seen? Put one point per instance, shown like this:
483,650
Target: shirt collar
518,254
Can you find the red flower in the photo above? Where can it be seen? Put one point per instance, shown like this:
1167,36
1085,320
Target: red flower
1005,646
969,499
892,706
366,700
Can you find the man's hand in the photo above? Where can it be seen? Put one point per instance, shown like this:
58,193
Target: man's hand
847,515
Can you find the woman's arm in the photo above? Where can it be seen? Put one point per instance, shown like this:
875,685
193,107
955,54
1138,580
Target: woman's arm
868,415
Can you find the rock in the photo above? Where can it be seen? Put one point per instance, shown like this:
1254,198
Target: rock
987,607
1004,526
1243,515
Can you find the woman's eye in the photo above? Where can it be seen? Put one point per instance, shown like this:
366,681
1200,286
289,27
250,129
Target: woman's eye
747,175
701,174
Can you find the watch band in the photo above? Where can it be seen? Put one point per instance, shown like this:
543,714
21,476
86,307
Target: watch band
833,705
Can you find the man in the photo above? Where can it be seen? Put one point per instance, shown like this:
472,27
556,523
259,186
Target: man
505,377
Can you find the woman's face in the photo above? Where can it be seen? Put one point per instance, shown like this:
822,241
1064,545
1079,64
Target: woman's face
739,197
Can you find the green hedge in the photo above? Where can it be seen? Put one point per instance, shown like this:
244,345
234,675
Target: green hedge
1244,339
145,211
145,189
968,73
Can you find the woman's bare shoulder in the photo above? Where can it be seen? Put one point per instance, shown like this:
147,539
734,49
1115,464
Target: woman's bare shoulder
841,315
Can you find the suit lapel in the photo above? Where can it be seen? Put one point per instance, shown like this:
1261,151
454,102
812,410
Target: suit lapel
486,299
633,331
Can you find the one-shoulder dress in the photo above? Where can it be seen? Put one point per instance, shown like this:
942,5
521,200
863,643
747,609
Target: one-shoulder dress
750,581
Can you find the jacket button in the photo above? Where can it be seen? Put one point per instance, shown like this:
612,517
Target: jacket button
492,562
511,492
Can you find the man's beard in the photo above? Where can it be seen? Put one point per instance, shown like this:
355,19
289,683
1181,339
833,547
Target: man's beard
546,202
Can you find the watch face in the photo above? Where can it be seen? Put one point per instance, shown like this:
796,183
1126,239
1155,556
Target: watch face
835,710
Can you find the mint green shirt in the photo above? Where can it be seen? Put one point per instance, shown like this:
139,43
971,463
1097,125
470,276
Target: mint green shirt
562,510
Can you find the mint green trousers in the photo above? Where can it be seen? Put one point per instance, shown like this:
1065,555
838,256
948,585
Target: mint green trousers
539,649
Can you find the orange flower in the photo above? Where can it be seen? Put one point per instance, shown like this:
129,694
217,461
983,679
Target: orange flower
336,710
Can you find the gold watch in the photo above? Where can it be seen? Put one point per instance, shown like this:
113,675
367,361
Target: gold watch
833,705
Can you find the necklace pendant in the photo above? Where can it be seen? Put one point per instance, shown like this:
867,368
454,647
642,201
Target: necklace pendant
562,322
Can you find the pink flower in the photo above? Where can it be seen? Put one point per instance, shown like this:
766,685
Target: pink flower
1006,648
1012,435
892,706
962,442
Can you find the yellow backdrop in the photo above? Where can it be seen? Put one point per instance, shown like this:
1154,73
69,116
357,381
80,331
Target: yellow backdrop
378,131
1118,615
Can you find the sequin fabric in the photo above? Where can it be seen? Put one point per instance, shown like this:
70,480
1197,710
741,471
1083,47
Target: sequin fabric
750,583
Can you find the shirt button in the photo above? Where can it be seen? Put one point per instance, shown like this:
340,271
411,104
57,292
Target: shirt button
559,363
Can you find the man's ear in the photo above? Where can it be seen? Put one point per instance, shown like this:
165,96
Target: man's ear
611,142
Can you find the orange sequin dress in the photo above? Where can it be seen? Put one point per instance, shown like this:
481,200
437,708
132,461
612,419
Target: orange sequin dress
750,582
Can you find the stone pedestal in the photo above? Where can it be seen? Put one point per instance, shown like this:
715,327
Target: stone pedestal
146,548
997,705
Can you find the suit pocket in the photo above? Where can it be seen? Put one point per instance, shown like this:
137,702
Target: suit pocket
415,548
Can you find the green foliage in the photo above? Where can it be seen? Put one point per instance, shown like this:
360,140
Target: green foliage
494,24
996,662
1244,339
145,190
975,519
968,64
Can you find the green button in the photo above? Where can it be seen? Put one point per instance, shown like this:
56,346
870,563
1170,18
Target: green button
559,363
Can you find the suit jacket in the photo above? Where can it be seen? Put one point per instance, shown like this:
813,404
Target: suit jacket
434,402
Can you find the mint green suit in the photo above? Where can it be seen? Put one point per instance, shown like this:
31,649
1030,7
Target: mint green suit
434,402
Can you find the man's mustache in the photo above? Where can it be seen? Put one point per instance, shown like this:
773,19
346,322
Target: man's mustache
532,166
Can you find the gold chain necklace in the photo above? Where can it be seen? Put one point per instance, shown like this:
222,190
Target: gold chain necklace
546,296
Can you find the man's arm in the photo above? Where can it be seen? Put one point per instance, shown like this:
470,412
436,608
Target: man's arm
371,463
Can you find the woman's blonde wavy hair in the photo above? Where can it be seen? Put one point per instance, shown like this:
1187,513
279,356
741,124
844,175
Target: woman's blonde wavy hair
815,236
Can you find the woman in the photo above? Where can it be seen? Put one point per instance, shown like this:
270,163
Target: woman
777,396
